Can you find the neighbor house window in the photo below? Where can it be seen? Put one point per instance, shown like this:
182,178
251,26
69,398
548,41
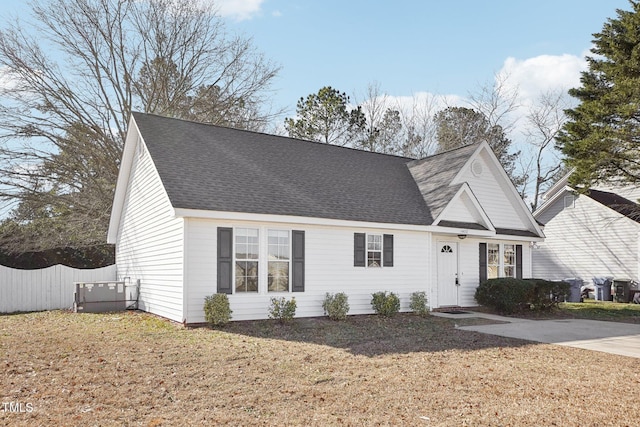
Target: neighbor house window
247,251
278,261
374,250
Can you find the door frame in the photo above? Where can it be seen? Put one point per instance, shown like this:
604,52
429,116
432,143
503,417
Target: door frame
456,248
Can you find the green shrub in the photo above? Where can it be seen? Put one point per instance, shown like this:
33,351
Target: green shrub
508,295
505,295
282,310
217,310
418,303
336,306
385,304
546,294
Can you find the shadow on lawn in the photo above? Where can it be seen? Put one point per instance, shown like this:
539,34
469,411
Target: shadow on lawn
372,335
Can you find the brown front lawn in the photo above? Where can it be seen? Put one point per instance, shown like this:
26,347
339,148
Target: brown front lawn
136,369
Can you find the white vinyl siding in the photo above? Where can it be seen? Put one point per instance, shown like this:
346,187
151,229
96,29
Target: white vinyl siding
586,241
150,242
462,209
500,206
328,268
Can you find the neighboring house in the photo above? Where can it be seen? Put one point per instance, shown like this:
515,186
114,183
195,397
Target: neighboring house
201,209
591,234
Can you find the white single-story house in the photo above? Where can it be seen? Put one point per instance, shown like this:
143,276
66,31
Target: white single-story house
588,234
202,209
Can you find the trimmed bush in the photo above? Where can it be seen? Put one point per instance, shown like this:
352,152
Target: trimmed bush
385,304
508,295
547,294
336,306
282,310
505,295
418,304
217,311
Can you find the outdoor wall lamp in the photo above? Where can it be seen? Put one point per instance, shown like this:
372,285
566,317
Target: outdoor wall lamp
462,236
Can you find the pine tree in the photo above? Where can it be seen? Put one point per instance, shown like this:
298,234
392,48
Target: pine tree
601,139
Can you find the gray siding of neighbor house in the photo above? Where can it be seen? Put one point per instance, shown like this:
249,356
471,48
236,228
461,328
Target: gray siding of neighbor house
586,239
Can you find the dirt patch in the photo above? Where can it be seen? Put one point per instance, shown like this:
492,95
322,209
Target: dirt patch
136,369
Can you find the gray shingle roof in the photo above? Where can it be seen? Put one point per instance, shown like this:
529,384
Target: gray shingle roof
434,174
616,202
221,169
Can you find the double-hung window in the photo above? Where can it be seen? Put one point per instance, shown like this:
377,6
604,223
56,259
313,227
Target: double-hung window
509,260
260,260
493,260
278,260
502,260
246,254
374,250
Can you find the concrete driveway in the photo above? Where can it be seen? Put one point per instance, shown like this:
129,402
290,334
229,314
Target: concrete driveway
609,337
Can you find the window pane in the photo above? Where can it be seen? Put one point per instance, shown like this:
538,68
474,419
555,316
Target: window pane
509,271
492,272
493,260
374,242
246,276
278,277
374,259
493,257
509,255
278,242
241,251
252,251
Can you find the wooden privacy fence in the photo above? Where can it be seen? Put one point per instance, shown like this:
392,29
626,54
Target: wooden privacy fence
48,288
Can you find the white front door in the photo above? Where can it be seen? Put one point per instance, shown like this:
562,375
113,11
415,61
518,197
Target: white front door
447,273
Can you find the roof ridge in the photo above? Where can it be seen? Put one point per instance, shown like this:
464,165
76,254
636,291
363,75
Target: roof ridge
435,155
289,138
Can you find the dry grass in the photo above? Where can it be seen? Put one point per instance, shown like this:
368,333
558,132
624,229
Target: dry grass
135,369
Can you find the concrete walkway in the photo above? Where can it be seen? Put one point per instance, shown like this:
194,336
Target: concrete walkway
609,337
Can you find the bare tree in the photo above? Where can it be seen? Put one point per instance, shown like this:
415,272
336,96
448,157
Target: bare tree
544,120
420,130
73,74
497,101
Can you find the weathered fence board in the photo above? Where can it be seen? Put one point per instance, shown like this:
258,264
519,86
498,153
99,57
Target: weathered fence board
45,289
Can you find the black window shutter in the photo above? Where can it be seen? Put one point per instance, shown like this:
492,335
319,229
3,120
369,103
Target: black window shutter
297,269
225,260
387,249
483,262
518,261
359,250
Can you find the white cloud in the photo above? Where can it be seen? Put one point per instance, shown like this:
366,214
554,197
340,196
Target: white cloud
8,80
239,10
544,73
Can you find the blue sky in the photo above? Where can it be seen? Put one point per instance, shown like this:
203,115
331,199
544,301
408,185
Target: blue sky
440,47
408,47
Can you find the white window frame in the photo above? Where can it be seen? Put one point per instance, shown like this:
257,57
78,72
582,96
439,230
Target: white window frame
380,251
262,260
505,265
236,260
288,260
501,265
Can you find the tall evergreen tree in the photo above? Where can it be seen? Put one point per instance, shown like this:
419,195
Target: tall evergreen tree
325,117
601,139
